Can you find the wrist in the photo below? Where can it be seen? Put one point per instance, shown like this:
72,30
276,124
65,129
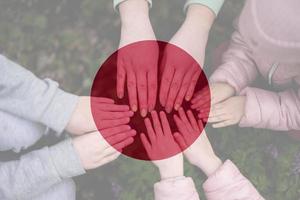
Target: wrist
210,164
201,17
171,173
134,11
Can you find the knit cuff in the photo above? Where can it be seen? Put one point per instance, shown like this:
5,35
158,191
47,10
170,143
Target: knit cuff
214,5
118,2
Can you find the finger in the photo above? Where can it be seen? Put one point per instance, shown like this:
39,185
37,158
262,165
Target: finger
124,144
103,124
108,159
150,131
201,102
180,125
102,100
156,124
145,142
199,95
192,86
115,115
180,140
167,78
200,124
223,124
185,120
115,130
174,89
121,77
193,120
183,89
131,88
142,93
165,124
111,107
115,139
152,89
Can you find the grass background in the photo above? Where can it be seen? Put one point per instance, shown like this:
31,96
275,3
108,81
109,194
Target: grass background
67,39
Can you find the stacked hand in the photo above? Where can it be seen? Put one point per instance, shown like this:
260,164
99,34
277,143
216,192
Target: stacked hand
95,150
160,144
200,153
105,112
225,110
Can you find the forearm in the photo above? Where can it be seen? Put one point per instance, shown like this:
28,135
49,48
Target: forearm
25,95
39,170
136,25
200,17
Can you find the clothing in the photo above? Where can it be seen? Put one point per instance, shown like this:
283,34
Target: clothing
118,2
226,183
24,95
214,5
25,101
266,42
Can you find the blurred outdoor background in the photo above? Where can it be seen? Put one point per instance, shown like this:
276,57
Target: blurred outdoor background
67,40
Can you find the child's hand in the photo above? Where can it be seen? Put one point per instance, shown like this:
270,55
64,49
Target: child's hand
200,153
94,150
110,114
227,113
160,144
218,93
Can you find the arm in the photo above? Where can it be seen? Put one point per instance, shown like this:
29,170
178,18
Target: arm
180,72
237,60
25,95
266,109
133,67
38,171
224,180
159,146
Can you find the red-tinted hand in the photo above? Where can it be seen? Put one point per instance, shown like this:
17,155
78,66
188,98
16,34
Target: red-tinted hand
179,78
160,143
137,63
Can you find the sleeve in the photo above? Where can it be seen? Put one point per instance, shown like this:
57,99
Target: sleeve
228,182
38,171
182,188
214,5
118,2
238,68
24,95
266,109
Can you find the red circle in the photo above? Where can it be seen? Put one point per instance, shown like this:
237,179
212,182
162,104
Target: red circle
104,85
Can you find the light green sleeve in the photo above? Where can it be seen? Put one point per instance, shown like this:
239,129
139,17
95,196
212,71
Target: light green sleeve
214,5
117,3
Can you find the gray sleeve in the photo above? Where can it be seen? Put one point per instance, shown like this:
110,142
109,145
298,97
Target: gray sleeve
39,170
25,95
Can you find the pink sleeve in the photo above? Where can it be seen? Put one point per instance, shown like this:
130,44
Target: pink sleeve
238,68
228,182
181,188
266,109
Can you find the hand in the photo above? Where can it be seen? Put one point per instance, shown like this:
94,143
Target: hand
137,63
104,109
200,153
95,151
218,93
181,73
227,113
160,144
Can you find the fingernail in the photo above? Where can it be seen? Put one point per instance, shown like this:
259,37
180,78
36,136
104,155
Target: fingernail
168,109
134,108
188,98
128,127
131,113
120,95
143,112
176,107
128,119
